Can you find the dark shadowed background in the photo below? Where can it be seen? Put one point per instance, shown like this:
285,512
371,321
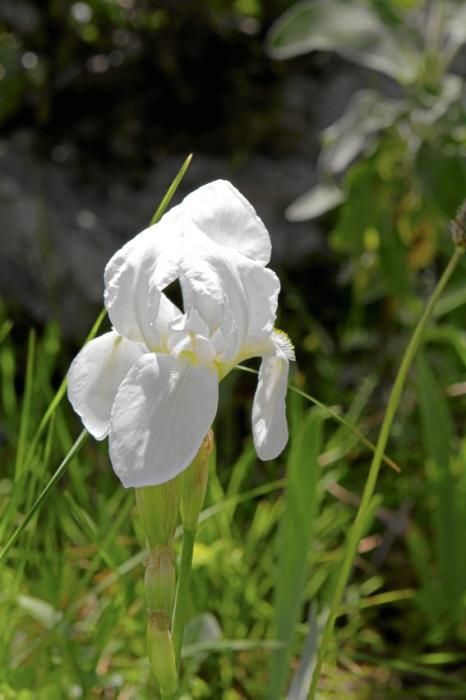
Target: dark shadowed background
101,101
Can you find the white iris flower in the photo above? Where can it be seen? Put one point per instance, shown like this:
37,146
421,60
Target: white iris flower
151,384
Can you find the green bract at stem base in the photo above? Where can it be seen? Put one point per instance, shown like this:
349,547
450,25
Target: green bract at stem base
158,507
357,530
160,652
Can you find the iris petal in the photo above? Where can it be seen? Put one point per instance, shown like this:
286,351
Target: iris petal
262,288
95,376
152,384
134,278
233,294
162,412
269,424
225,216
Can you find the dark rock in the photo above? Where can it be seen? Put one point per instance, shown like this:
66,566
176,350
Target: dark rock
58,232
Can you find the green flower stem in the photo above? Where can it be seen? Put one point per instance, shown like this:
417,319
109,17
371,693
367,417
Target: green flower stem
357,529
182,591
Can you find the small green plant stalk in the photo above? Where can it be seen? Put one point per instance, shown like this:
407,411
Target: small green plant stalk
158,508
193,489
458,231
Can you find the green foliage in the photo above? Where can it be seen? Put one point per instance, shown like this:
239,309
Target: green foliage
351,29
441,564
295,540
409,149
72,582
370,235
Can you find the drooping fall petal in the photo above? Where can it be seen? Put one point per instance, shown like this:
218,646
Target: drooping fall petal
95,376
161,414
269,426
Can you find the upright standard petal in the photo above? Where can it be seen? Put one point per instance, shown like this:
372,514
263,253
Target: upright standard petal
223,214
134,278
269,426
161,414
95,376
234,295
262,288
212,285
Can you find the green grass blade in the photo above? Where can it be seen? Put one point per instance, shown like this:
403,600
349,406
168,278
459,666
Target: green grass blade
451,300
436,421
45,493
294,542
343,441
449,334
243,497
26,406
437,431
357,528
210,512
333,414
5,328
239,471
359,402
225,645
302,678
413,667
171,190
60,393
9,398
